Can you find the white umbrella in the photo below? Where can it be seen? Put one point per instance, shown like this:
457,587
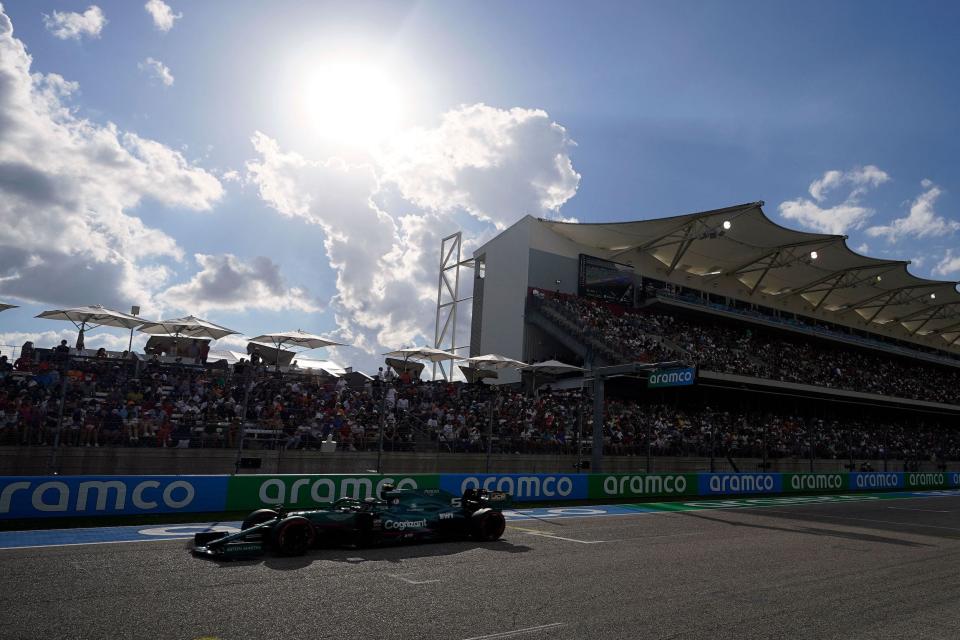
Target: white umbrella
550,368
91,317
4,306
495,361
553,367
296,338
422,353
186,327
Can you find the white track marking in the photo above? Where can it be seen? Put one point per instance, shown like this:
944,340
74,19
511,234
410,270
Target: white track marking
409,581
517,632
906,524
546,534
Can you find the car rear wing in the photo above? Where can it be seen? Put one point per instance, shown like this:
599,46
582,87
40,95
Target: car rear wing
498,500
474,499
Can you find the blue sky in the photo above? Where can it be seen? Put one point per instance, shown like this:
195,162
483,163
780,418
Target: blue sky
665,108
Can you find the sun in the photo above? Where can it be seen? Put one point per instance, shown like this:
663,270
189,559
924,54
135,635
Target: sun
350,102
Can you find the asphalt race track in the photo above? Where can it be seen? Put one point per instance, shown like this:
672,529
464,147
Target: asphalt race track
866,569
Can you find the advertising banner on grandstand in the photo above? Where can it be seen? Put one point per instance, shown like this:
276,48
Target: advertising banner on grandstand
680,377
726,484
302,491
814,482
873,481
531,487
641,485
62,496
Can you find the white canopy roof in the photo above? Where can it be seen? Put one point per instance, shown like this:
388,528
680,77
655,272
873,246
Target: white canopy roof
740,247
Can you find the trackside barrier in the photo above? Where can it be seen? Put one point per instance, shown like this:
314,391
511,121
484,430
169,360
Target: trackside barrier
26,497
304,491
60,496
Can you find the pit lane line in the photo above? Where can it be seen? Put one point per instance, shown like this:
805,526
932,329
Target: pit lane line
43,538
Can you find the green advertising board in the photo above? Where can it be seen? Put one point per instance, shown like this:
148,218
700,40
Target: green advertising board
815,482
304,491
937,480
641,485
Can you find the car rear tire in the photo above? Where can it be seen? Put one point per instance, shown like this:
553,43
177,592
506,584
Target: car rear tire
292,536
487,525
258,517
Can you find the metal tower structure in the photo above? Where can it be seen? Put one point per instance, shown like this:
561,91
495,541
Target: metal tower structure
448,297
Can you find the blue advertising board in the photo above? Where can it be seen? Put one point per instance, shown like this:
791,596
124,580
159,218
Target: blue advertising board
524,487
872,481
59,496
728,484
680,377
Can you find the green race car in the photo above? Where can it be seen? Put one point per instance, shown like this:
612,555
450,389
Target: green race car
399,515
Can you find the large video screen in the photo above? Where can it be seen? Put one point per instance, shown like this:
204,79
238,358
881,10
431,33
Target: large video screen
606,280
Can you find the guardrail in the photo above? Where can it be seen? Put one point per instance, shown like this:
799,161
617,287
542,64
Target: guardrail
31,497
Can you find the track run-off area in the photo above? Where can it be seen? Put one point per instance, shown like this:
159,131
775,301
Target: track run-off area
879,565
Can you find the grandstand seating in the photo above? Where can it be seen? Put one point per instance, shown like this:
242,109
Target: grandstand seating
142,404
659,334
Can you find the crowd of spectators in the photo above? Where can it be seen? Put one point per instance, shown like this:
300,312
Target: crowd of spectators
112,403
725,347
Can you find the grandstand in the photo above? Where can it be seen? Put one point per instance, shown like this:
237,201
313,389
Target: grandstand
782,325
803,356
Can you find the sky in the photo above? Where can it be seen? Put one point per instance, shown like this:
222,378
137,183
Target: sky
282,165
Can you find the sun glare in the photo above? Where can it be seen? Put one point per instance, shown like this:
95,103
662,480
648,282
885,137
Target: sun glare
353,103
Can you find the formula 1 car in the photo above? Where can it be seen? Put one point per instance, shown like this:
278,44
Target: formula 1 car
399,515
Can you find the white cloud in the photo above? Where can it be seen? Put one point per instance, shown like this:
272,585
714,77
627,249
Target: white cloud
846,215
495,165
225,282
69,187
863,248
158,70
163,16
949,265
67,25
921,222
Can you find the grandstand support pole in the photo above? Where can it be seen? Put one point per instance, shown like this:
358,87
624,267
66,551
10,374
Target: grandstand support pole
492,401
579,439
886,447
763,444
56,436
382,420
596,461
650,445
247,370
713,440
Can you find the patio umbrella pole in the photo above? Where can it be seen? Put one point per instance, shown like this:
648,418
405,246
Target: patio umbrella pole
56,436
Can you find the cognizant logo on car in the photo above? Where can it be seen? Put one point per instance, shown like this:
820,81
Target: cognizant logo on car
404,524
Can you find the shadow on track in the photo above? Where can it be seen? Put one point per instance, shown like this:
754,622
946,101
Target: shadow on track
811,531
397,553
